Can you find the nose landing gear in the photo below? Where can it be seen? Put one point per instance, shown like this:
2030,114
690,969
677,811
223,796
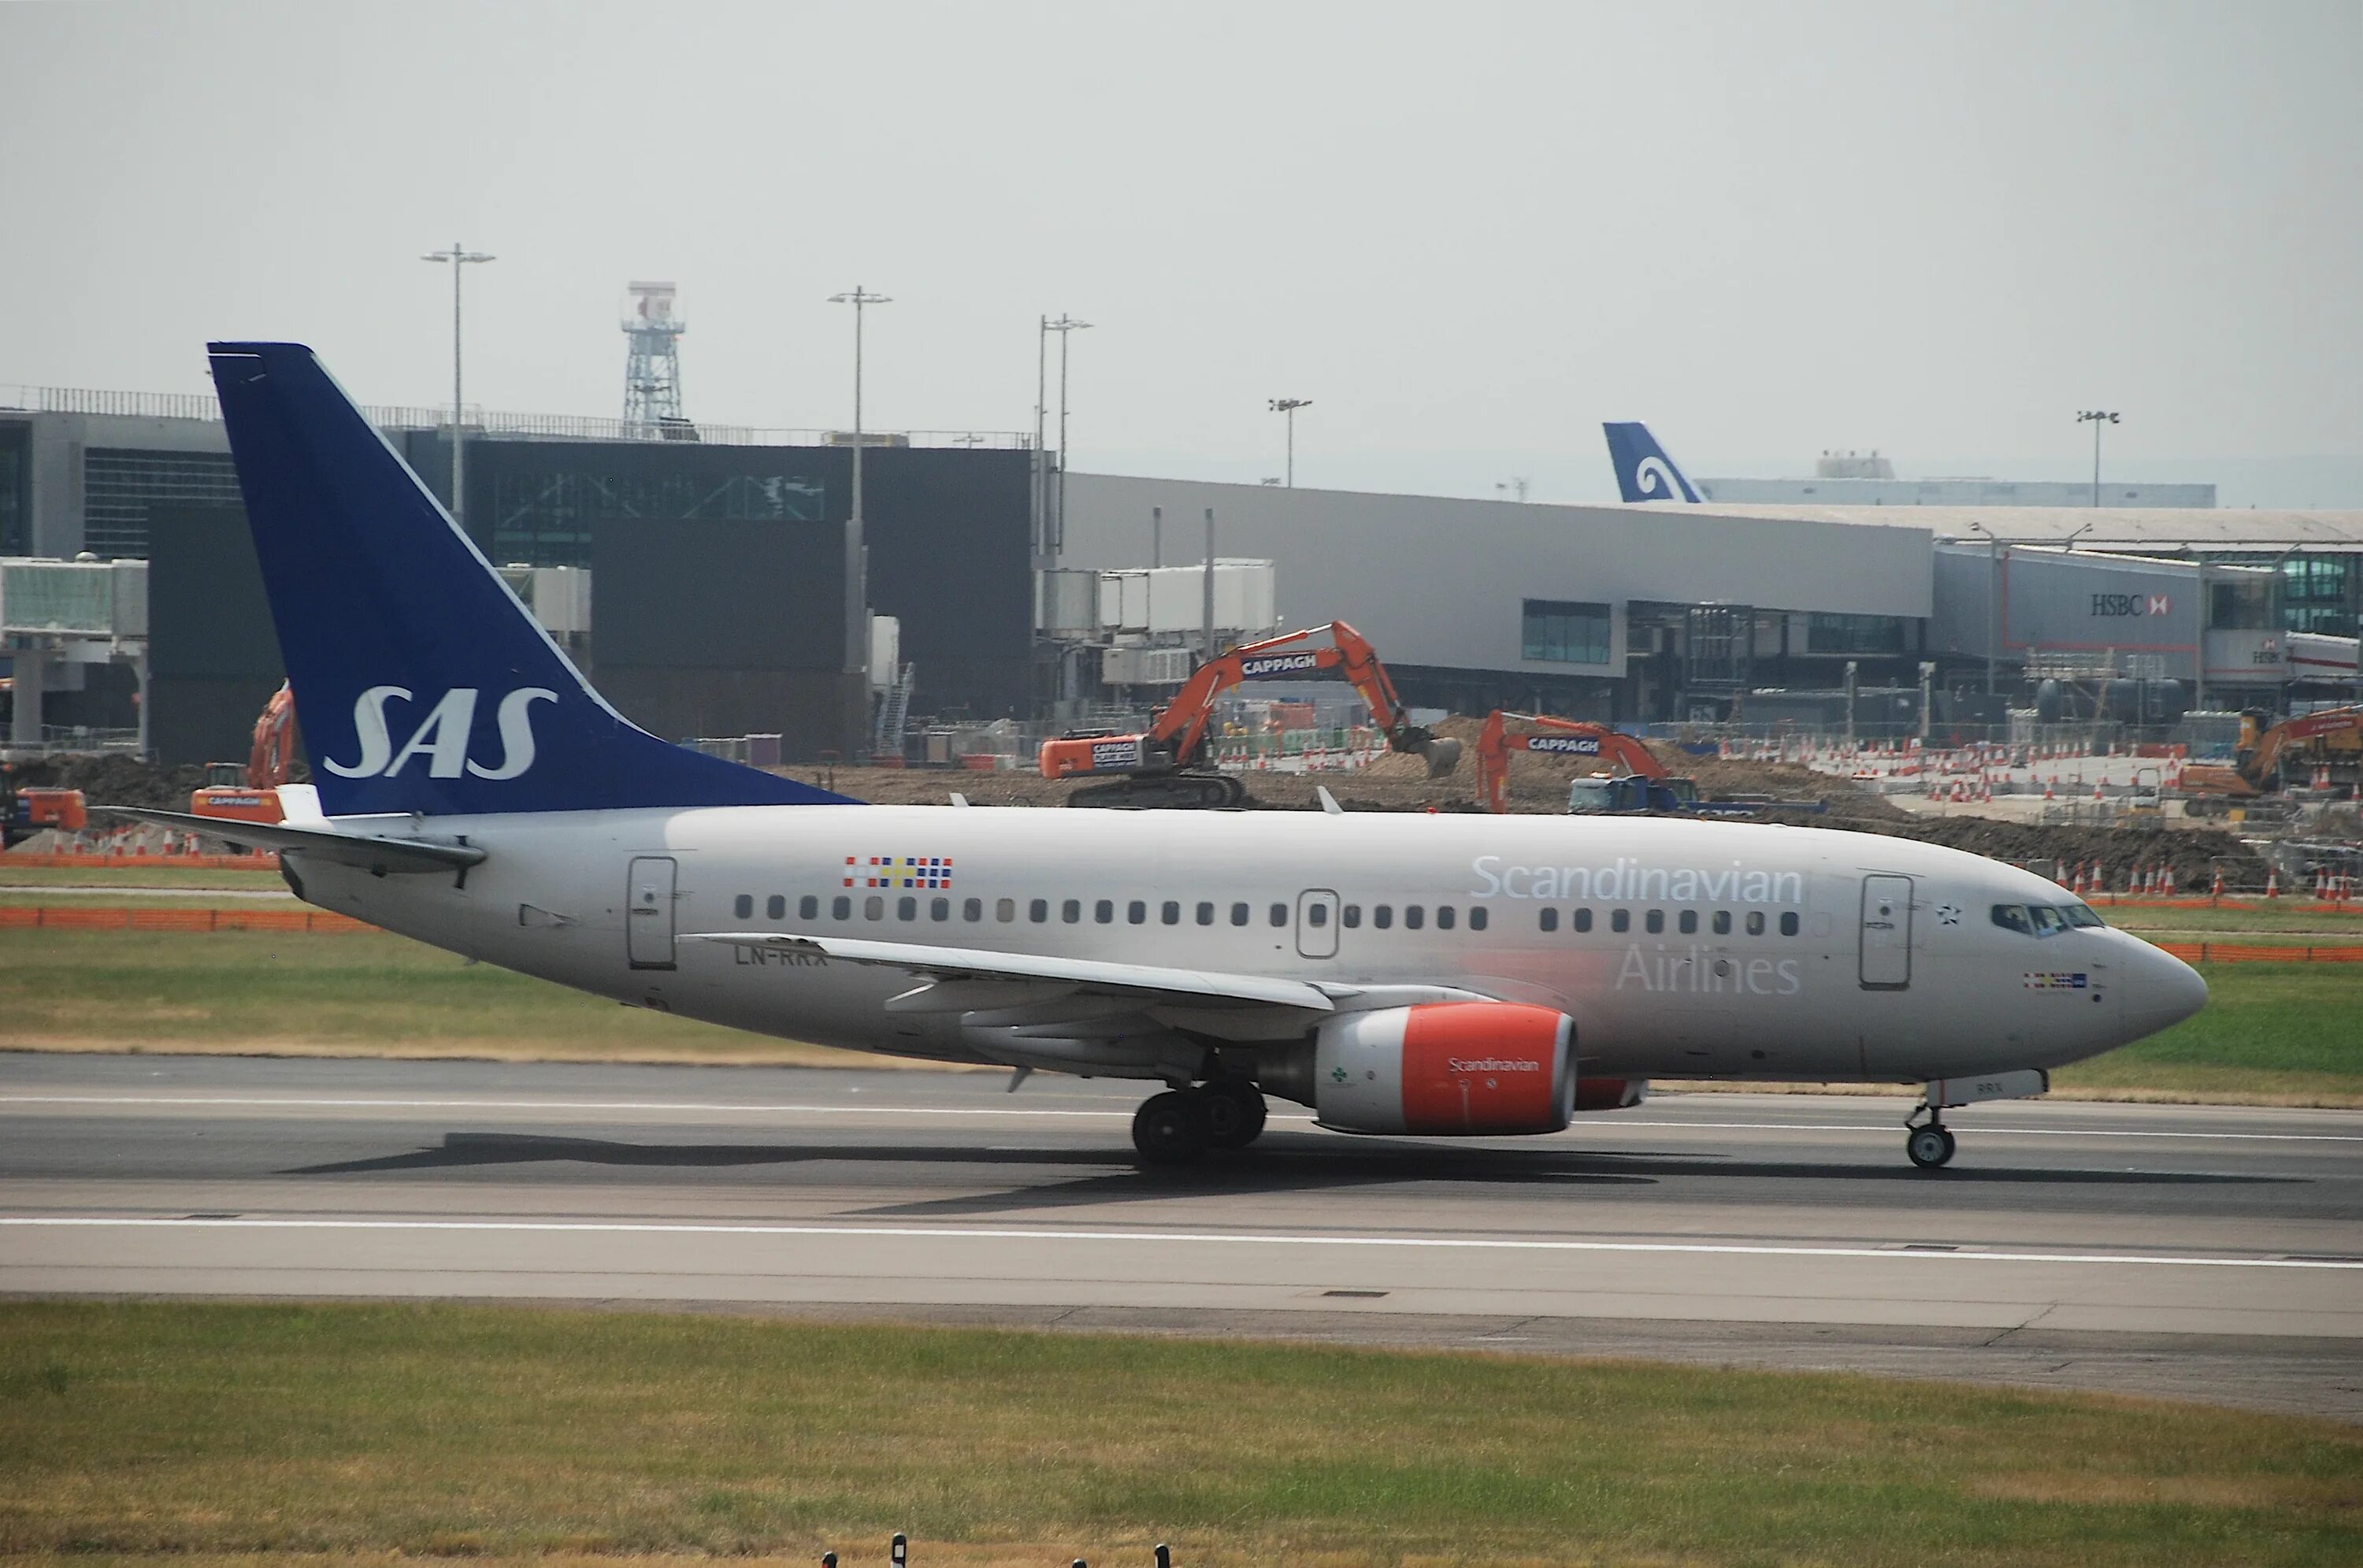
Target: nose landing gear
1929,1144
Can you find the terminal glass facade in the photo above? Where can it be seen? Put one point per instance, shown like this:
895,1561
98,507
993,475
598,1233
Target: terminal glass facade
545,517
119,487
15,531
2318,594
1566,632
1827,634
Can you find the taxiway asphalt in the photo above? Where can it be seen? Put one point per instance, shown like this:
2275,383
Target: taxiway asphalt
2197,1252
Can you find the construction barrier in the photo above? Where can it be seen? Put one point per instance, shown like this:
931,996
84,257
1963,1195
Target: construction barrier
2253,952
101,862
2228,901
81,917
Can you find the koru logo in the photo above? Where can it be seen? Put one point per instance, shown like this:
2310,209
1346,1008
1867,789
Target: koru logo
441,736
1654,481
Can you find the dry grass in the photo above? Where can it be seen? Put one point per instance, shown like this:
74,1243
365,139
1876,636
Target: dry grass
352,1432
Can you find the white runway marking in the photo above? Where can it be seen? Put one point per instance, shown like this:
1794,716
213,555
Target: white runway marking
1880,1129
1166,1237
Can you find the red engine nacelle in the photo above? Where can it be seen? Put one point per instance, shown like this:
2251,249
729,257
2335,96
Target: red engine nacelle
1450,1068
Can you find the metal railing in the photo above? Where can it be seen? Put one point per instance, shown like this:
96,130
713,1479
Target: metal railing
494,421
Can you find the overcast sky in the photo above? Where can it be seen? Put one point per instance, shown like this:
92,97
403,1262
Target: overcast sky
1469,232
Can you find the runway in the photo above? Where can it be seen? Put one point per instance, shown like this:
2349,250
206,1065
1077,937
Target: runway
2203,1252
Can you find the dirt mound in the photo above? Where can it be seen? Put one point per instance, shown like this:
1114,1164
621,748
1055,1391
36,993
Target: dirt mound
2194,853
114,781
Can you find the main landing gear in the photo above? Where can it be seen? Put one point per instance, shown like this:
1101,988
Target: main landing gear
1178,1127
1929,1143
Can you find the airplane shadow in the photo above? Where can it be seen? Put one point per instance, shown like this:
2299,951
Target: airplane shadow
1281,1163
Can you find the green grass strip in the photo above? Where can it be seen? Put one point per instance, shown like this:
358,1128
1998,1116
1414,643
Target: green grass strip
225,1428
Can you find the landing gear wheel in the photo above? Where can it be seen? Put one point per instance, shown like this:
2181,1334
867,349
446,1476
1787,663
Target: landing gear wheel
1930,1147
1172,1129
1234,1113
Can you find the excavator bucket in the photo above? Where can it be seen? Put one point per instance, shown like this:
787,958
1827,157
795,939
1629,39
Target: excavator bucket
1443,754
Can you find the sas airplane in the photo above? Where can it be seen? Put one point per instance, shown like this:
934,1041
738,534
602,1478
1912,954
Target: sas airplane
1437,976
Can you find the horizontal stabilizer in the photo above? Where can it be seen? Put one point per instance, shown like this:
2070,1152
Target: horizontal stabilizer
381,856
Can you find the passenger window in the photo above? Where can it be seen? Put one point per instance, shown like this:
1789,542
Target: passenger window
1755,923
1351,915
1584,918
1789,923
1039,911
1413,917
1006,911
1103,912
1382,915
1205,913
939,909
1137,912
2047,921
1655,921
776,907
2012,917
972,910
809,907
1620,919
1477,918
1169,912
1689,923
1072,910
1280,914
743,906
906,909
873,908
840,907
1723,922
1316,914
1444,917
1550,919
1238,914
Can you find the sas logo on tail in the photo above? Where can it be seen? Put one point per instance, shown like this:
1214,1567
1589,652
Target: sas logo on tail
441,736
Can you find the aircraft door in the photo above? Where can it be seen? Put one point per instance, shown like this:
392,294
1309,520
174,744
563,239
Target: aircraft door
1886,933
1316,924
647,912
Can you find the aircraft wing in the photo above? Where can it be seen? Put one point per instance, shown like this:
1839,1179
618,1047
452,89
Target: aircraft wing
379,854
963,978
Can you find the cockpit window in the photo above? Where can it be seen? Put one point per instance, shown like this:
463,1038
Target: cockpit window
2081,915
2043,920
2047,920
2012,917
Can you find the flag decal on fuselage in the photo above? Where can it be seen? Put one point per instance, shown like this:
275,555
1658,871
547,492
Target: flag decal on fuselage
898,871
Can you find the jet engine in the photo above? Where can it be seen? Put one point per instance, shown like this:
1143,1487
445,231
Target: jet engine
1435,1068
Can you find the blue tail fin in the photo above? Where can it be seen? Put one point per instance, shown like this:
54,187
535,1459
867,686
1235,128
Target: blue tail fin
424,686
1644,472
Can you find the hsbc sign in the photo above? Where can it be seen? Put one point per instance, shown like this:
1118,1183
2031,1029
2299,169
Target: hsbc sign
2110,606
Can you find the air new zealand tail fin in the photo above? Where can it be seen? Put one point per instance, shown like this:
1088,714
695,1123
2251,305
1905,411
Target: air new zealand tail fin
1644,471
424,685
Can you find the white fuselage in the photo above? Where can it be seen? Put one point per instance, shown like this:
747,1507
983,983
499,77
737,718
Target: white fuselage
1680,949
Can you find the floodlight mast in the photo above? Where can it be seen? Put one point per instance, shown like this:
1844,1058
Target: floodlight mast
458,259
2096,417
1288,407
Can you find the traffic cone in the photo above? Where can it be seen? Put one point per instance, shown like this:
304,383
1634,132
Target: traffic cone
2272,882
2047,790
2097,796
2216,892
2076,887
2169,878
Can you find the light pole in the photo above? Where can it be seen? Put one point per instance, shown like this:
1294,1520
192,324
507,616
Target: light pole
859,299
458,259
1288,405
1516,487
2096,417
1064,325
857,579
1993,599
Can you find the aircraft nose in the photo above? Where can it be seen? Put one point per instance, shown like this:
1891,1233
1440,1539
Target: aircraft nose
2165,992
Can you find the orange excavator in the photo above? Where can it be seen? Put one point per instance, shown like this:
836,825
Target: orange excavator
26,810
2331,740
1541,732
250,793
1168,766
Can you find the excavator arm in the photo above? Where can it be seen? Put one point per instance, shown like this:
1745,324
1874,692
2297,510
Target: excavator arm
1505,733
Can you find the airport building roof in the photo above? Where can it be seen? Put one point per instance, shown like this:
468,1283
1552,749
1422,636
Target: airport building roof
2152,530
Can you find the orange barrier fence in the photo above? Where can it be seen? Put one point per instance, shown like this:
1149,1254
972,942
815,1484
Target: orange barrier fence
2257,953
266,862
82,918
2228,901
